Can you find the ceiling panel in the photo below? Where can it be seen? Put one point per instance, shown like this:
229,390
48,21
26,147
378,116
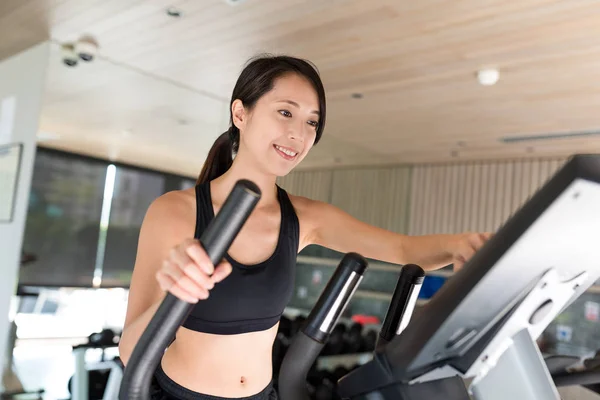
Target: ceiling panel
158,91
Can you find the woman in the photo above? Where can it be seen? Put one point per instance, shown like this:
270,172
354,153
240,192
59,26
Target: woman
224,348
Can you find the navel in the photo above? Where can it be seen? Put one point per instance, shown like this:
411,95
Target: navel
242,380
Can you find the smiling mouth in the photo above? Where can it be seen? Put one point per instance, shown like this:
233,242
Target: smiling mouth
286,153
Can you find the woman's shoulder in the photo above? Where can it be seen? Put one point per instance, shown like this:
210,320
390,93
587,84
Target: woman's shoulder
300,203
169,220
174,207
308,210
304,204
310,216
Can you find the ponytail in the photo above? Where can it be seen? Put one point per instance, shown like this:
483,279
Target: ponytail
220,156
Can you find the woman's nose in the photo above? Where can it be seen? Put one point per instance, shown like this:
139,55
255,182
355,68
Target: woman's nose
296,132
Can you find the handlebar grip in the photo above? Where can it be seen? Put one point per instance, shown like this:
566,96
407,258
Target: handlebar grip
172,312
577,378
335,297
308,343
403,303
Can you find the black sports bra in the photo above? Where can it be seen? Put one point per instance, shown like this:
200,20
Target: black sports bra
253,297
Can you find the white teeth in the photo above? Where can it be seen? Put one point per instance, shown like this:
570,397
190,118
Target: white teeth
286,151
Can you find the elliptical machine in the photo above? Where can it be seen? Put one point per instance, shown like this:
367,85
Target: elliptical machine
482,324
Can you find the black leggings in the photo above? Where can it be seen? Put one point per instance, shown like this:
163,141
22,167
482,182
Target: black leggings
164,388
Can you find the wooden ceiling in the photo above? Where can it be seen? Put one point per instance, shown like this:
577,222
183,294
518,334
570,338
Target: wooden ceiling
157,94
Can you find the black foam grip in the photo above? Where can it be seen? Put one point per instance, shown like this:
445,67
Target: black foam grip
335,297
308,343
295,366
172,312
410,276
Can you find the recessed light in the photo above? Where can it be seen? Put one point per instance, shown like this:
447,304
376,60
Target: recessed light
357,95
174,12
488,76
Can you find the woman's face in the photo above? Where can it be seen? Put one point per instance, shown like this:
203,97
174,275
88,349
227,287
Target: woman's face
281,128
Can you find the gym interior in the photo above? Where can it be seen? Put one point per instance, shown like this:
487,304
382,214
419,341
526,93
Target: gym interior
444,117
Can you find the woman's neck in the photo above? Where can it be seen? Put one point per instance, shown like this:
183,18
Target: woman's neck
266,183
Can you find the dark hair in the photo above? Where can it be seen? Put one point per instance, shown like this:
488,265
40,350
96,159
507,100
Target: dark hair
256,79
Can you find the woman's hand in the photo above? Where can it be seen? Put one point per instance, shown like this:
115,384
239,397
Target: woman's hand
465,245
189,274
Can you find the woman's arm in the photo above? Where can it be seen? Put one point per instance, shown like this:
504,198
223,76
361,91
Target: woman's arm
161,230
168,259
328,226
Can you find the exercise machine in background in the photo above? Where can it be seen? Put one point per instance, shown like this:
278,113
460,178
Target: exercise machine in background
101,380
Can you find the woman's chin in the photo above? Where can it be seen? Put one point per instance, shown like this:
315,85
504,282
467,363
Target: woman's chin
280,167
281,170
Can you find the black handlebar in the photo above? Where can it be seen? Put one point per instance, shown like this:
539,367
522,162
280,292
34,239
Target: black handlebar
396,319
585,377
309,341
403,303
172,312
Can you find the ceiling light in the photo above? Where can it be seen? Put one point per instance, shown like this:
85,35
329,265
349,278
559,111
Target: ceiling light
488,76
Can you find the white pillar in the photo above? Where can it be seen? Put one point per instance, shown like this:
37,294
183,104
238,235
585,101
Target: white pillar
22,82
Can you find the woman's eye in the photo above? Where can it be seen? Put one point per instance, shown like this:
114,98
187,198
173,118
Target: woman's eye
285,113
313,123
